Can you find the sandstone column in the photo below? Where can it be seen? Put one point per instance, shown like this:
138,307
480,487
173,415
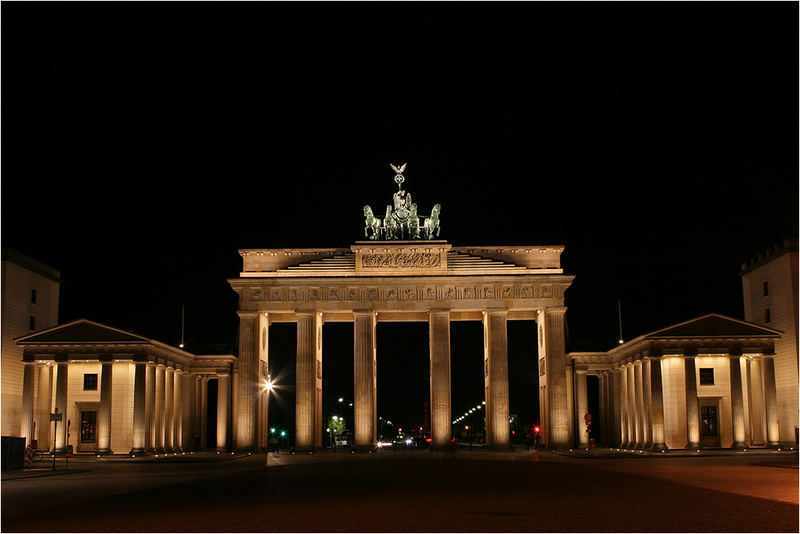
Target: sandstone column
159,412
140,429
223,407
498,430
169,408
737,402
620,412
639,404
755,396
197,421
581,407
364,370
44,402
104,409
657,405
62,373
557,435
248,382
648,403
692,404
150,406
308,416
441,413
189,415
26,415
263,395
633,427
204,413
178,404
771,402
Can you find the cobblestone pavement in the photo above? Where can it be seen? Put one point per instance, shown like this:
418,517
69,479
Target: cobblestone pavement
477,491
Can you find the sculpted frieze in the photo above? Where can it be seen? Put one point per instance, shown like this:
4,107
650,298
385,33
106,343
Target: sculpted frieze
401,261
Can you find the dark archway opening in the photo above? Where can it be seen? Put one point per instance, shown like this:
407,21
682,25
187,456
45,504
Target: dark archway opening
523,378
282,368
403,382
337,383
467,382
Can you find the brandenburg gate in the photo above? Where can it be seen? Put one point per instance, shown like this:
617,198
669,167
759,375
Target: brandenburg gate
400,272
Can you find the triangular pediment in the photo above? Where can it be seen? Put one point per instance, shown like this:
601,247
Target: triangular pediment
714,325
82,331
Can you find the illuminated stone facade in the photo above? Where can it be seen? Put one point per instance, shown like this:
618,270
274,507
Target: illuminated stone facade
30,292
708,382
377,281
769,287
119,392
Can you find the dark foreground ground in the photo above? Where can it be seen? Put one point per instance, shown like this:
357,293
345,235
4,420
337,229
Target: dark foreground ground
410,492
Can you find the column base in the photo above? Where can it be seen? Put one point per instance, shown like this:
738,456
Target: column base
694,446
738,445
137,451
104,452
659,447
776,445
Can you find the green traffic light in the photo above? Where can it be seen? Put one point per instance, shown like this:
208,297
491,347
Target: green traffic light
283,433
271,430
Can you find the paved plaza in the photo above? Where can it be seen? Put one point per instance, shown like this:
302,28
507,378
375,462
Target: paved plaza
411,491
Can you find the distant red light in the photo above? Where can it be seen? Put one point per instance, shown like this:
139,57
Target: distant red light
428,440
537,429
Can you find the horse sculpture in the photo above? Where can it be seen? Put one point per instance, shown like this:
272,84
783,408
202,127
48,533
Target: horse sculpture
391,228
413,223
432,222
372,223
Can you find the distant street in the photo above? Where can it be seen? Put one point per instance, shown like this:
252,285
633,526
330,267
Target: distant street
407,491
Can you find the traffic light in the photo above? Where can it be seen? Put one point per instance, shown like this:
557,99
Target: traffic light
536,429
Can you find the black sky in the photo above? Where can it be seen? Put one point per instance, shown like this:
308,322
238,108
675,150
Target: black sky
145,143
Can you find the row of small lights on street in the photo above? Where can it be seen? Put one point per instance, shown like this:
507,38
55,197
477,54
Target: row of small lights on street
467,413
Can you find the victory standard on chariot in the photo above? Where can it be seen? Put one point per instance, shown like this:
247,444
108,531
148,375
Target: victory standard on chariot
402,221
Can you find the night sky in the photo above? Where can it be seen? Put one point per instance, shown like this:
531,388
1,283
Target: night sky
145,143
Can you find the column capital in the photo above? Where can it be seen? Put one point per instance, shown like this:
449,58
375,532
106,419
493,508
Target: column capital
554,309
495,311
439,311
365,312
247,314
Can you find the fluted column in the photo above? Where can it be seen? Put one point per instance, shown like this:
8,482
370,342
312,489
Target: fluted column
248,382
44,400
104,409
223,407
140,429
657,405
441,412
621,384
692,404
364,366
495,335
159,408
639,403
177,442
62,375
737,402
559,418
308,417
197,420
150,406
633,427
263,374
169,408
581,407
771,402
648,403
755,399
26,415
204,413
187,390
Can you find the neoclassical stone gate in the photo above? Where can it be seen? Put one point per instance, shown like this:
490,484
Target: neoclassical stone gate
376,281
